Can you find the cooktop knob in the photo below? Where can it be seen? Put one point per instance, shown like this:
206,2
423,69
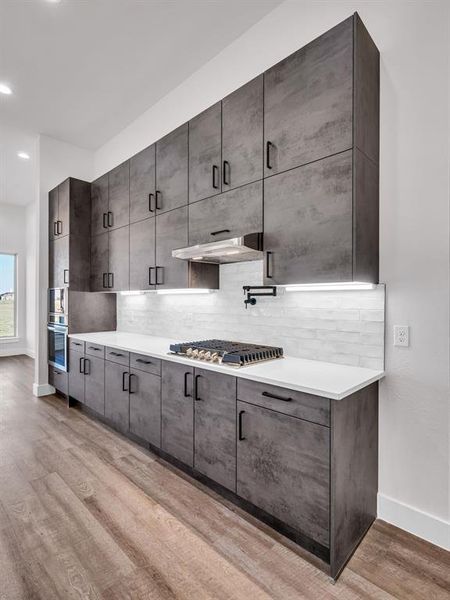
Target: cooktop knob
207,355
214,357
189,352
201,354
194,353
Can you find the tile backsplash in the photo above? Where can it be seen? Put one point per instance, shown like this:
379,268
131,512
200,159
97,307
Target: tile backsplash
344,327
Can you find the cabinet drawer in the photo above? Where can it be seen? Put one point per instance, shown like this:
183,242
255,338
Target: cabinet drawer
145,363
95,350
122,357
289,402
58,379
76,345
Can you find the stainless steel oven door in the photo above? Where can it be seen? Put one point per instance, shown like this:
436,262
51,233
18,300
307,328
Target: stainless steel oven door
57,346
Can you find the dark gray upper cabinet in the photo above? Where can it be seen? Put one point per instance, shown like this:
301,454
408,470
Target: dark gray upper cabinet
145,406
99,262
308,223
205,156
94,384
308,102
242,135
215,427
177,411
117,401
76,373
230,214
99,204
283,467
142,255
53,213
119,196
172,170
65,191
171,232
119,257
59,262
142,184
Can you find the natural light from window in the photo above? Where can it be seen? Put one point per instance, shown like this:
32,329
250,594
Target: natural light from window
7,295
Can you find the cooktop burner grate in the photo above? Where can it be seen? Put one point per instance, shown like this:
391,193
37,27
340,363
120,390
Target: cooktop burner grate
232,353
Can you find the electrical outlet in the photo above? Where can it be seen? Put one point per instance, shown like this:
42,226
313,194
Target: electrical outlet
401,335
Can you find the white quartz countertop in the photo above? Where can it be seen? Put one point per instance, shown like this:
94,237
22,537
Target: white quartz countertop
311,376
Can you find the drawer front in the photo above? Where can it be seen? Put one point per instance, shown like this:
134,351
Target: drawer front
95,350
145,363
289,402
76,345
58,379
121,357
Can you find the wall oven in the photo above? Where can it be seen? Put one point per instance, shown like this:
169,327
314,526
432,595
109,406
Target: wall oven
57,306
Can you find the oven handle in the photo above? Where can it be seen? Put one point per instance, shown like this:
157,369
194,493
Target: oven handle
57,328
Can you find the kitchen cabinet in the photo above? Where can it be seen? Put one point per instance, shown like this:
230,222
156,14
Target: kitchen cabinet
99,204
99,262
171,232
308,223
117,400
308,102
76,372
119,196
230,214
145,406
142,255
177,411
53,213
58,379
205,153
119,257
142,184
172,170
59,271
215,426
59,210
94,386
283,467
242,135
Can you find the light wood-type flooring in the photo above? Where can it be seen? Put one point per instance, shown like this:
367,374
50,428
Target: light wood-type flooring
86,514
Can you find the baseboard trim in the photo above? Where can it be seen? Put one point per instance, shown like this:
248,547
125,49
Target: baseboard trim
43,389
5,351
424,525
30,353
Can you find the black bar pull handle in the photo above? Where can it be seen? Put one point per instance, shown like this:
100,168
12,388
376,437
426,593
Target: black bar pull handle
110,280
55,228
82,365
105,222
185,392
116,354
150,202
158,199
125,378
144,362
88,363
269,145
105,280
59,227
220,231
268,264
197,397
215,177
226,172
240,435
150,279
159,270
275,397
66,275
110,219
130,381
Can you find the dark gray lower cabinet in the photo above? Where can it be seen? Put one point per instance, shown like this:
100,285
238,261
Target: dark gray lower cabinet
142,255
76,374
94,384
145,406
58,379
117,401
215,427
177,411
283,467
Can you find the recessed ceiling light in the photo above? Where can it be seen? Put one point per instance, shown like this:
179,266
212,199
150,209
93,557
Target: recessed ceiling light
5,89
23,155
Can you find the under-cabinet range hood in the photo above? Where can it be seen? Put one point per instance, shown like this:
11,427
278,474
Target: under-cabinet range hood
231,250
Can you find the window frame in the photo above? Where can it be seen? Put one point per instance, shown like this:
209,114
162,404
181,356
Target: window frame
12,338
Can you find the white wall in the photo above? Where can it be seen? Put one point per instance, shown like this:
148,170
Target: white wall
57,161
30,277
414,229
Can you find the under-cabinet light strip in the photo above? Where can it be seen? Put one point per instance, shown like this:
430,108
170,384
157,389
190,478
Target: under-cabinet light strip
327,287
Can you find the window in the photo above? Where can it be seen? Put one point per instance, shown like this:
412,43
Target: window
8,297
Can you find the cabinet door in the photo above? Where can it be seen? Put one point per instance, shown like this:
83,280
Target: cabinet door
172,170
94,387
283,467
308,223
52,213
308,102
99,262
119,256
76,375
64,207
119,196
142,255
99,204
142,184
145,406
117,402
177,411
171,232
242,135
205,153
215,427
59,262
230,214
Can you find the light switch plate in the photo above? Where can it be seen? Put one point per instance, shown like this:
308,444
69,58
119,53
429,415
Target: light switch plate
401,335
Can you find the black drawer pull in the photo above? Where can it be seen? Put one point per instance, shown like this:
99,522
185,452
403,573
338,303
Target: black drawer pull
268,162
275,397
150,279
268,264
59,227
130,381
124,377
110,219
150,201
185,392
220,231
105,222
116,354
197,397
88,363
144,362
110,280
240,435
159,270
55,228
66,275
76,343
226,172
215,177
81,365
105,280
94,348
158,197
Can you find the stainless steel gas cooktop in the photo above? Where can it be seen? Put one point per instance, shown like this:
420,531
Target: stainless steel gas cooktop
231,353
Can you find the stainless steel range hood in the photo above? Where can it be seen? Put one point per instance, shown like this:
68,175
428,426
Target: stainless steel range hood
231,250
